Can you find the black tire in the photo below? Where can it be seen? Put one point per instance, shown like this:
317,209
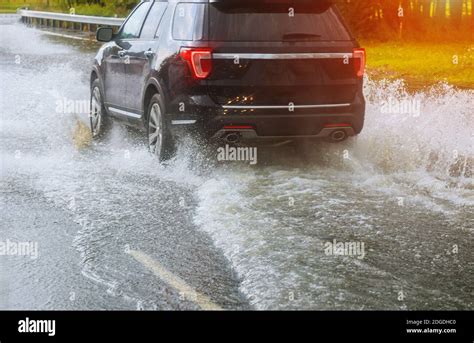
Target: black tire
99,120
159,139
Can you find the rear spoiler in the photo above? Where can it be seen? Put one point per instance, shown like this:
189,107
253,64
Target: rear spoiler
318,5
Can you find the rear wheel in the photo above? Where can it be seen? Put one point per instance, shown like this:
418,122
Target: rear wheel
160,142
98,117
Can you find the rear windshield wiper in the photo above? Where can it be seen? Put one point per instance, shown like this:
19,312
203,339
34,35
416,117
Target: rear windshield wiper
300,35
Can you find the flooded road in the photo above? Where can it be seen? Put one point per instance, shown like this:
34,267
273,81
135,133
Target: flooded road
115,230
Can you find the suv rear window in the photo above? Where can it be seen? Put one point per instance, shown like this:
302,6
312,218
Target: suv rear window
275,22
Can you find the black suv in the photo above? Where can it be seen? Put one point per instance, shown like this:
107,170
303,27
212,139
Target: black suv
230,70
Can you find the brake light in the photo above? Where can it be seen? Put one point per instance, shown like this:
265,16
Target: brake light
199,61
359,61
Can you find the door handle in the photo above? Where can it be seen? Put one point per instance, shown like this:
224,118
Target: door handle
149,53
122,53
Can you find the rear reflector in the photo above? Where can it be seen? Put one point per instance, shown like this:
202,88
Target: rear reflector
359,61
238,127
199,61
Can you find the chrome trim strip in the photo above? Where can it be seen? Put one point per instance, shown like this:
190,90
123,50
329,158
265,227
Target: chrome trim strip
282,56
183,122
244,107
125,113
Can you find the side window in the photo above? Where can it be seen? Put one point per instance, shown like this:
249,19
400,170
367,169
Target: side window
132,27
153,20
188,22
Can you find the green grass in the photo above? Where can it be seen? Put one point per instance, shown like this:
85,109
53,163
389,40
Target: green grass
10,7
422,64
94,9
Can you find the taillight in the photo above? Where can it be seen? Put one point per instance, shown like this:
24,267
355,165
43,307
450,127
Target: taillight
359,61
199,61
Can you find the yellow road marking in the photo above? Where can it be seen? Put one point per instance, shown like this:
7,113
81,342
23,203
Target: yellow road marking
175,281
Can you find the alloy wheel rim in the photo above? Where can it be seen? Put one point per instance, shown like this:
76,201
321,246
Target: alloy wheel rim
96,111
155,130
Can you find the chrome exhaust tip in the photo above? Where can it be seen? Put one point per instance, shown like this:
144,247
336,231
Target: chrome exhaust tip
338,135
232,137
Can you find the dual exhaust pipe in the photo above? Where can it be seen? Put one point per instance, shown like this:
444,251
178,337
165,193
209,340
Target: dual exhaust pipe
234,137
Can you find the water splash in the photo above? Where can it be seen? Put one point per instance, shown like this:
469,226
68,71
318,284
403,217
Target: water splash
361,189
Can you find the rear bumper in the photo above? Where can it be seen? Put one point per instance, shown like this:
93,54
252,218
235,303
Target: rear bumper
274,124
273,129
286,126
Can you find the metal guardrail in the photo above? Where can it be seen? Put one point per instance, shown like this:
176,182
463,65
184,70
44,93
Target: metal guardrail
73,18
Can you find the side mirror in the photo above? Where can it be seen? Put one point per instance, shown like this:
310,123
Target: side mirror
105,34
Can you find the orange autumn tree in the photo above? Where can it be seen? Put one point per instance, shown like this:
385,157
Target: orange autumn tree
410,19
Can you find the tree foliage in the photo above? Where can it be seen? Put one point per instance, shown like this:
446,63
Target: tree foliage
409,18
